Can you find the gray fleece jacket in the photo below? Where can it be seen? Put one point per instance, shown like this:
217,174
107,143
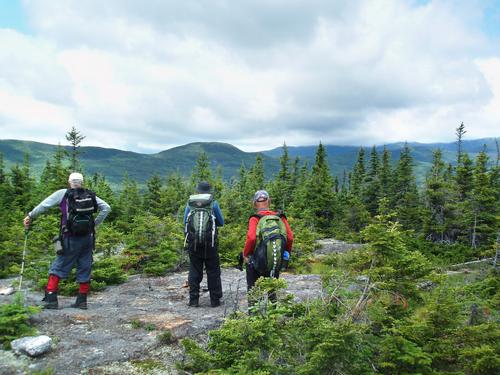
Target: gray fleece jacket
56,198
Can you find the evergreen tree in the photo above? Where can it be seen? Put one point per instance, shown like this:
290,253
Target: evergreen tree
74,137
6,195
345,183
460,132
385,174
336,185
358,174
242,185
405,198
201,171
174,195
256,174
299,207
98,184
354,217
461,184
464,176
129,203
436,194
319,194
372,186
55,174
152,201
218,188
295,176
484,203
3,176
282,185
22,185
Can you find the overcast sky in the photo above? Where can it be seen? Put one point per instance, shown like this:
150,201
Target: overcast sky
149,75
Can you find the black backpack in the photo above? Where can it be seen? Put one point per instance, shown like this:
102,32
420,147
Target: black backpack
200,230
81,206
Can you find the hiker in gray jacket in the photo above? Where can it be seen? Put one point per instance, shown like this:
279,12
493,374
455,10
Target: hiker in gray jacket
77,235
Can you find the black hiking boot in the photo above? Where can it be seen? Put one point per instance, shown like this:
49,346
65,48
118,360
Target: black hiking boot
215,302
193,302
81,302
50,301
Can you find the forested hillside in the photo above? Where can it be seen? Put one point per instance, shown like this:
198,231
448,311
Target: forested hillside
405,313
114,164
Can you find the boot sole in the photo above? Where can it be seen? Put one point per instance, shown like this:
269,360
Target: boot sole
56,307
79,307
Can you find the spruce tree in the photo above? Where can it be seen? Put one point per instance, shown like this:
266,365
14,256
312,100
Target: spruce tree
98,184
436,195
405,197
463,176
294,177
201,170
281,186
372,186
345,183
55,174
256,174
174,195
358,174
460,132
484,203
299,207
3,176
218,188
129,203
319,195
5,188
74,137
152,201
385,174
22,185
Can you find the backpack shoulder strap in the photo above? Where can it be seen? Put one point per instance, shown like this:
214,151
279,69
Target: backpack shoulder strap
94,198
258,216
281,214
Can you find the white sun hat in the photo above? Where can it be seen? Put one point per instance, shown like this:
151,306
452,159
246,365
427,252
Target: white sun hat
75,178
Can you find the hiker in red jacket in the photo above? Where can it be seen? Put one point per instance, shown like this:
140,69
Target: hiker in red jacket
254,267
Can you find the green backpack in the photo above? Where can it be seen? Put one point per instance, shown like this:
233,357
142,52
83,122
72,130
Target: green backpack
200,229
271,243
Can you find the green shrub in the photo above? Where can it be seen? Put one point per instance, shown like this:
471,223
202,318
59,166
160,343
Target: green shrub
136,323
166,337
231,242
108,271
154,245
14,321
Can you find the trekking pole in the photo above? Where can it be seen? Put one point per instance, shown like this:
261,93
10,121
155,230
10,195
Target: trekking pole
24,257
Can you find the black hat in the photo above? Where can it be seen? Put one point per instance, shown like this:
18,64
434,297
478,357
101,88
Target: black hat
203,188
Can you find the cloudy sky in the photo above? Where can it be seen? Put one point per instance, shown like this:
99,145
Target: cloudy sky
147,75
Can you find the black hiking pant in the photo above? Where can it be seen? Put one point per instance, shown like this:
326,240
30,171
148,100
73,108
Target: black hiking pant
252,276
209,259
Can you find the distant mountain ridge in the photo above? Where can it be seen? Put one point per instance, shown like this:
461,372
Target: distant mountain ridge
114,163
342,158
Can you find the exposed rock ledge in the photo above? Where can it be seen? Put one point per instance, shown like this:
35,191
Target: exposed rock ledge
121,328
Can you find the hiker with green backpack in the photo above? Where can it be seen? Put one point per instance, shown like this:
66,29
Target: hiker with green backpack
76,236
202,217
269,242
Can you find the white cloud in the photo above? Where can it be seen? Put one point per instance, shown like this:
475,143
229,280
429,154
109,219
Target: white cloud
141,75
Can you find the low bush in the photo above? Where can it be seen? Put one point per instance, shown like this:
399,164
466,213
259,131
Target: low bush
14,321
